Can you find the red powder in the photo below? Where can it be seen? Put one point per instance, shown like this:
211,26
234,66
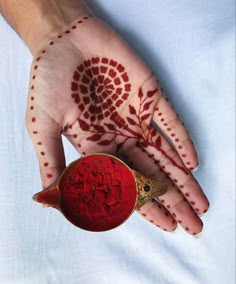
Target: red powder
98,193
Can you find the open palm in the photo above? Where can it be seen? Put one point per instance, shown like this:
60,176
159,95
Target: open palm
88,85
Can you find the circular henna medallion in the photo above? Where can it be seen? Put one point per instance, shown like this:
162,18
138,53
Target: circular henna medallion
99,86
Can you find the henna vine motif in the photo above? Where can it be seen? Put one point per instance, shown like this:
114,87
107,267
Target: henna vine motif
99,87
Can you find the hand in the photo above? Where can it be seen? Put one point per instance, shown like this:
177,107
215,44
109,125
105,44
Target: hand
88,85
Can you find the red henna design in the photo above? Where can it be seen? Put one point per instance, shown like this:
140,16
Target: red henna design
31,107
33,77
179,221
94,101
60,36
49,175
100,89
32,98
144,214
35,67
187,194
51,43
35,132
174,215
44,51
33,119
42,153
151,221
40,143
186,228
45,164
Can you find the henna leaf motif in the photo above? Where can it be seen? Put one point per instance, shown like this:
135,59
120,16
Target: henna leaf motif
140,93
151,93
99,128
110,126
132,110
145,116
105,142
95,137
147,105
153,132
131,121
158,143
83,125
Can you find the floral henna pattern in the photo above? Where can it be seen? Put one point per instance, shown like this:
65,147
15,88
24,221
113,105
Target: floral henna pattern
100,86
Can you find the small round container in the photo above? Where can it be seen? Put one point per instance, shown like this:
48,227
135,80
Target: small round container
99,192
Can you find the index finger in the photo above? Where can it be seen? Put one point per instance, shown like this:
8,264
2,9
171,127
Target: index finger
168,121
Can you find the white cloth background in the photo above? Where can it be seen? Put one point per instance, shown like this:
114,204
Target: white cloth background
190,46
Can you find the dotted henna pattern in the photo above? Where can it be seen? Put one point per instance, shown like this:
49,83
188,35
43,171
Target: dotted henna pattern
33,87
99,87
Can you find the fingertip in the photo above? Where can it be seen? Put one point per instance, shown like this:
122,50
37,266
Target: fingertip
176,229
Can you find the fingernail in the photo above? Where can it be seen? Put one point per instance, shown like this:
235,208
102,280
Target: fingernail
197,236
175,230
203,213
194,170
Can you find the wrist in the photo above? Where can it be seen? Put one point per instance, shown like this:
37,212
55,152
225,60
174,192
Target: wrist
39,18
50,17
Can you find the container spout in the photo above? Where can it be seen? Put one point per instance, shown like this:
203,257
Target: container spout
49,197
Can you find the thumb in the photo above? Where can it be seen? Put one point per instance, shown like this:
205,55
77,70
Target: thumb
45,134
